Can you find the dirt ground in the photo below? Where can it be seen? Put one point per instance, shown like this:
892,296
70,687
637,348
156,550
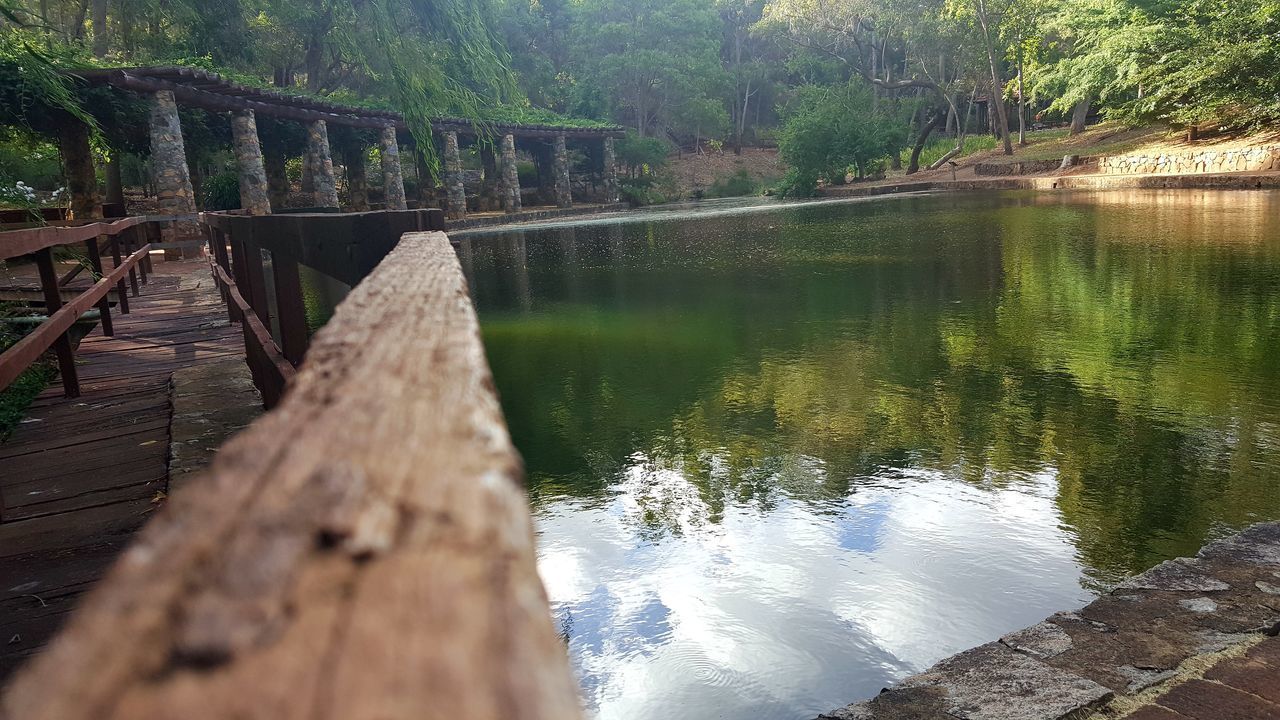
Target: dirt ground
697,172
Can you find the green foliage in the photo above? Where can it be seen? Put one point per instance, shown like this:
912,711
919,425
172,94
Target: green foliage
15,399
829,130
641,155
222,191
1179,61
29,158
736,185
658,61
528,173
940,146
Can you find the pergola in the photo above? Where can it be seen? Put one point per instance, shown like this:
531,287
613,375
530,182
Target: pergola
169,87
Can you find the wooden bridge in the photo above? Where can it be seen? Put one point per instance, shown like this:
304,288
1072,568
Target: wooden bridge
363,550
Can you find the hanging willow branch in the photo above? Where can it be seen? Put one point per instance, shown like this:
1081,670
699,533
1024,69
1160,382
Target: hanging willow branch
454,65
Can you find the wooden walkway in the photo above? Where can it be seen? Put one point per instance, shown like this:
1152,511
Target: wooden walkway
80,476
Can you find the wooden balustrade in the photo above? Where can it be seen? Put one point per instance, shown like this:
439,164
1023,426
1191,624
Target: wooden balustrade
363,551
344,246
128,241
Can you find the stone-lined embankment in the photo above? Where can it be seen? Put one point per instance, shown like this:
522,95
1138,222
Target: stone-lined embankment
1116,654
1070,182
1246,159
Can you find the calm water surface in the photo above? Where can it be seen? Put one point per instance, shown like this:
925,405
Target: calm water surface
780,459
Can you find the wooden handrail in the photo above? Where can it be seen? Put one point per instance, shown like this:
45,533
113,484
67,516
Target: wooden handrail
15,243
29,349
270,370
365,550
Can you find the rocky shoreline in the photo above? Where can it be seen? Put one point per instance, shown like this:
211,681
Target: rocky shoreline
1114,657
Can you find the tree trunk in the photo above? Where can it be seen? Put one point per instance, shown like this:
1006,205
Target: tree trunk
1001,117
1022,104
935,119
77,165
1080,115
99,28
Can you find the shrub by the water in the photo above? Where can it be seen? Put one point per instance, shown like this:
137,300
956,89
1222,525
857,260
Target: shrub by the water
830,130
736,185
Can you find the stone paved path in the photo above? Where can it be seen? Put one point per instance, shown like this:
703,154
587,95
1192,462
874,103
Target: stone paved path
1243,688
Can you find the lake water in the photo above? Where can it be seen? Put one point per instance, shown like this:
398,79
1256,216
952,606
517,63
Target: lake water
779,459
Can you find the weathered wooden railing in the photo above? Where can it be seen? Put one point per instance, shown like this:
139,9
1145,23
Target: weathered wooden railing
343,246
364,551
129,241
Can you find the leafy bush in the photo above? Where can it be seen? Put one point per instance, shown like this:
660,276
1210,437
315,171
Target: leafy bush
649,189
222,191
829,130
736,185
31,160
641,155
15,399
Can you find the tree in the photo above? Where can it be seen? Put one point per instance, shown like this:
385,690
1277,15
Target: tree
829,130
651,56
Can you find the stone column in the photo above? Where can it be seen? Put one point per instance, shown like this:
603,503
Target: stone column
169,158
610,172
560,165
510,175
392,173
326,188
456,192
254,198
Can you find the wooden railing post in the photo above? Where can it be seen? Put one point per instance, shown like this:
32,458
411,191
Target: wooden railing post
133,240
104,305
53,301
126,237
122,294
256,282
291,307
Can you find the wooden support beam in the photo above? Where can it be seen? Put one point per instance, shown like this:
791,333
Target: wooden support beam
53,303
290,307
104,305
121,294
326,566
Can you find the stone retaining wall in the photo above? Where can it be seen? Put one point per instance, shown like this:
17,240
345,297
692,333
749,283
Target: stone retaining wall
1028,167
1252,159
1133,638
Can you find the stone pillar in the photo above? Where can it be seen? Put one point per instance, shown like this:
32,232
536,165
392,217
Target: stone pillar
610,172
454,189
254,198
560,165
392,173
326,188
169,158
510,176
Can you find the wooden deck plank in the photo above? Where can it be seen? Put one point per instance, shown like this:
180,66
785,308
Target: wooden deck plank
79,477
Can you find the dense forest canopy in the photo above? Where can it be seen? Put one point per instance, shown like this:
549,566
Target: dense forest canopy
840,83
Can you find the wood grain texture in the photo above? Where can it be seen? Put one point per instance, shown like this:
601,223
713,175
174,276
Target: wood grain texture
363,552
